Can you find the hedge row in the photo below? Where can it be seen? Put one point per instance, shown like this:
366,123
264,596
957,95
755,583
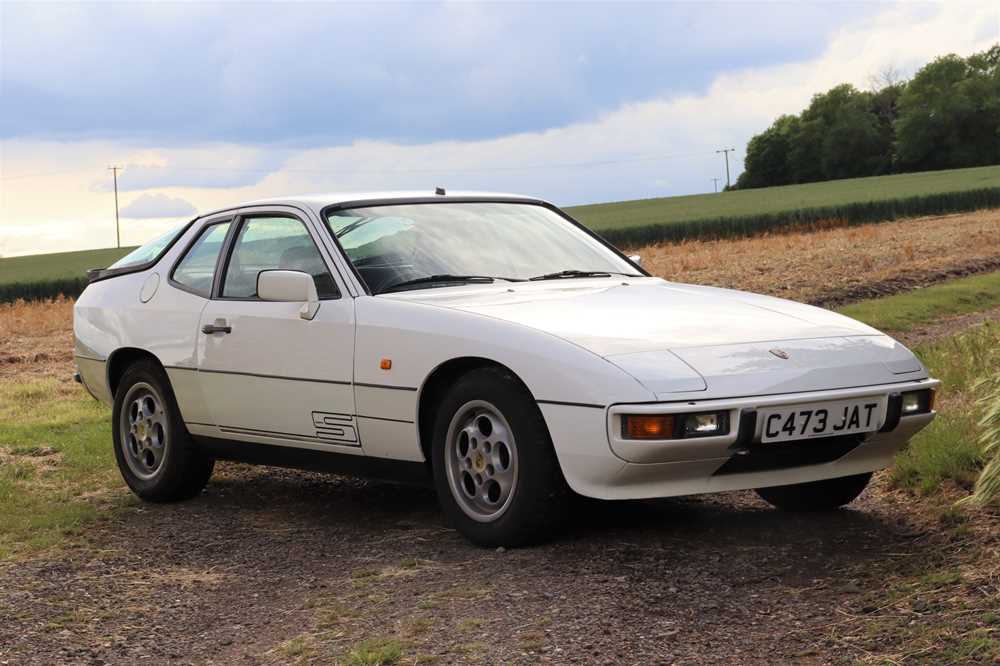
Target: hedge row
42,289
850,214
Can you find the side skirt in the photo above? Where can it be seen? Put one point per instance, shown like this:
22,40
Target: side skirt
398,471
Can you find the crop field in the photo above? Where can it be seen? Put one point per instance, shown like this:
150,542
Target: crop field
746,212
58,265
789,197
276,567
837,265
47,275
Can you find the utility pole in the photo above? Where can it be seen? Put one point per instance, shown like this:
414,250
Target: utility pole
118,233
726,151
715,181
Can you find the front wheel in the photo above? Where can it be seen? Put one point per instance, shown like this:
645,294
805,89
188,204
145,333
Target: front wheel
155,454
823,495
495,470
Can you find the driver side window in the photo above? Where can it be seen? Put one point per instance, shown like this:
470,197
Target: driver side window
269,243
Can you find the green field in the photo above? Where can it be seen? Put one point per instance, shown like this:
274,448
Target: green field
772,200
57,266
40,276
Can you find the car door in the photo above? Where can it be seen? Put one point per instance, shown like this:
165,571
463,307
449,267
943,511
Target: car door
268,375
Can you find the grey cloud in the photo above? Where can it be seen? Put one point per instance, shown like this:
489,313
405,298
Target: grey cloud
337,72
158,205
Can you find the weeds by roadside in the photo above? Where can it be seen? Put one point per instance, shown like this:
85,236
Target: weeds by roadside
988,484
949,449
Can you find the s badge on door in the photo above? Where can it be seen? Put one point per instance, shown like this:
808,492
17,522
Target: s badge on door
335,427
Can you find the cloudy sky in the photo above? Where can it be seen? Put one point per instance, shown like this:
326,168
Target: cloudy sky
207,104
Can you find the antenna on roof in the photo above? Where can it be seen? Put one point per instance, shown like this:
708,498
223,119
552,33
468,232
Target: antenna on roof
439,191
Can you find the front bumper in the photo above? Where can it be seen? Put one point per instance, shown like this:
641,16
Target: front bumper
611,467
744,429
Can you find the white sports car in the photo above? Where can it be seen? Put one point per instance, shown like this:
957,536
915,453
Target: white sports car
488,344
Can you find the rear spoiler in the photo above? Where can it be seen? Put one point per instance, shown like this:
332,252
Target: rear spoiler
97,274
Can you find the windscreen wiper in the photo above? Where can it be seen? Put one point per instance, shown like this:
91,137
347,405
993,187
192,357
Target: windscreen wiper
579,274
445,278
354,225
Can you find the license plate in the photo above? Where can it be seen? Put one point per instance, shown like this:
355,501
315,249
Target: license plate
821,419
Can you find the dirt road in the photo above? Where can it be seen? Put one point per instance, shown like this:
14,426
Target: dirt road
271,566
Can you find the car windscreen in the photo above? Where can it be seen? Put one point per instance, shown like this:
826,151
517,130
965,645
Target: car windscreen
393,244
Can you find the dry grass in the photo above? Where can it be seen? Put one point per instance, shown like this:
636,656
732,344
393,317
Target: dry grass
36,339
36,318
806,266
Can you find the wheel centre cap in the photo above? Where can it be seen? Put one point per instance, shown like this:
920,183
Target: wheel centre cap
140,430
479,462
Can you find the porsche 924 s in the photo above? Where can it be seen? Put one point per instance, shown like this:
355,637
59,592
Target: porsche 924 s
488,344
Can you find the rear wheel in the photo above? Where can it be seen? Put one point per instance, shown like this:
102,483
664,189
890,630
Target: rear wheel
155,454
823,495
495,470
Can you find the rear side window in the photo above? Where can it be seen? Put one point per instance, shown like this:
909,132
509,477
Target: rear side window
197,269
148,252
269,243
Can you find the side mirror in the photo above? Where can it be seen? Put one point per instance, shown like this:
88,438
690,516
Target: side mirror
635,259
289,286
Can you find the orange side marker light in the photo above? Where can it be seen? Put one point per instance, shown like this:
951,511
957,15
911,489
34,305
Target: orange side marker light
385,364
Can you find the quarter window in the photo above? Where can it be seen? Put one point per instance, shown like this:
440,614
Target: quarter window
150,251
269,243
197,269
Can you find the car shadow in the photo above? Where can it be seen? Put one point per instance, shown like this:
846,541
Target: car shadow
366,509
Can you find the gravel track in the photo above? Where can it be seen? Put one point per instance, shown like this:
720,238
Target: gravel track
267,555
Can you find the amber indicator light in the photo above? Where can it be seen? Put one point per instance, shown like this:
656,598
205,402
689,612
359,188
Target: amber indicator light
385,364
636,426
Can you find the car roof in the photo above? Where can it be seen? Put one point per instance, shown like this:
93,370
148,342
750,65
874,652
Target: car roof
317,202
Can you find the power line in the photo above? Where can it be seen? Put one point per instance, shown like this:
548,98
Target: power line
350,170
45,174
521,167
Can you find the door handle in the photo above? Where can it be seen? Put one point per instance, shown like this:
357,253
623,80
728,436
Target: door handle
220,326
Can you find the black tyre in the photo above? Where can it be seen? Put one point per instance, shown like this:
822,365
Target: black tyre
816,495
155,454
495,471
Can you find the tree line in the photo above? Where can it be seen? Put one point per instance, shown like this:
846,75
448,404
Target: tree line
947,116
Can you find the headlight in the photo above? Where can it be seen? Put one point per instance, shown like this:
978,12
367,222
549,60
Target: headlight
708,423
917,402
675,426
